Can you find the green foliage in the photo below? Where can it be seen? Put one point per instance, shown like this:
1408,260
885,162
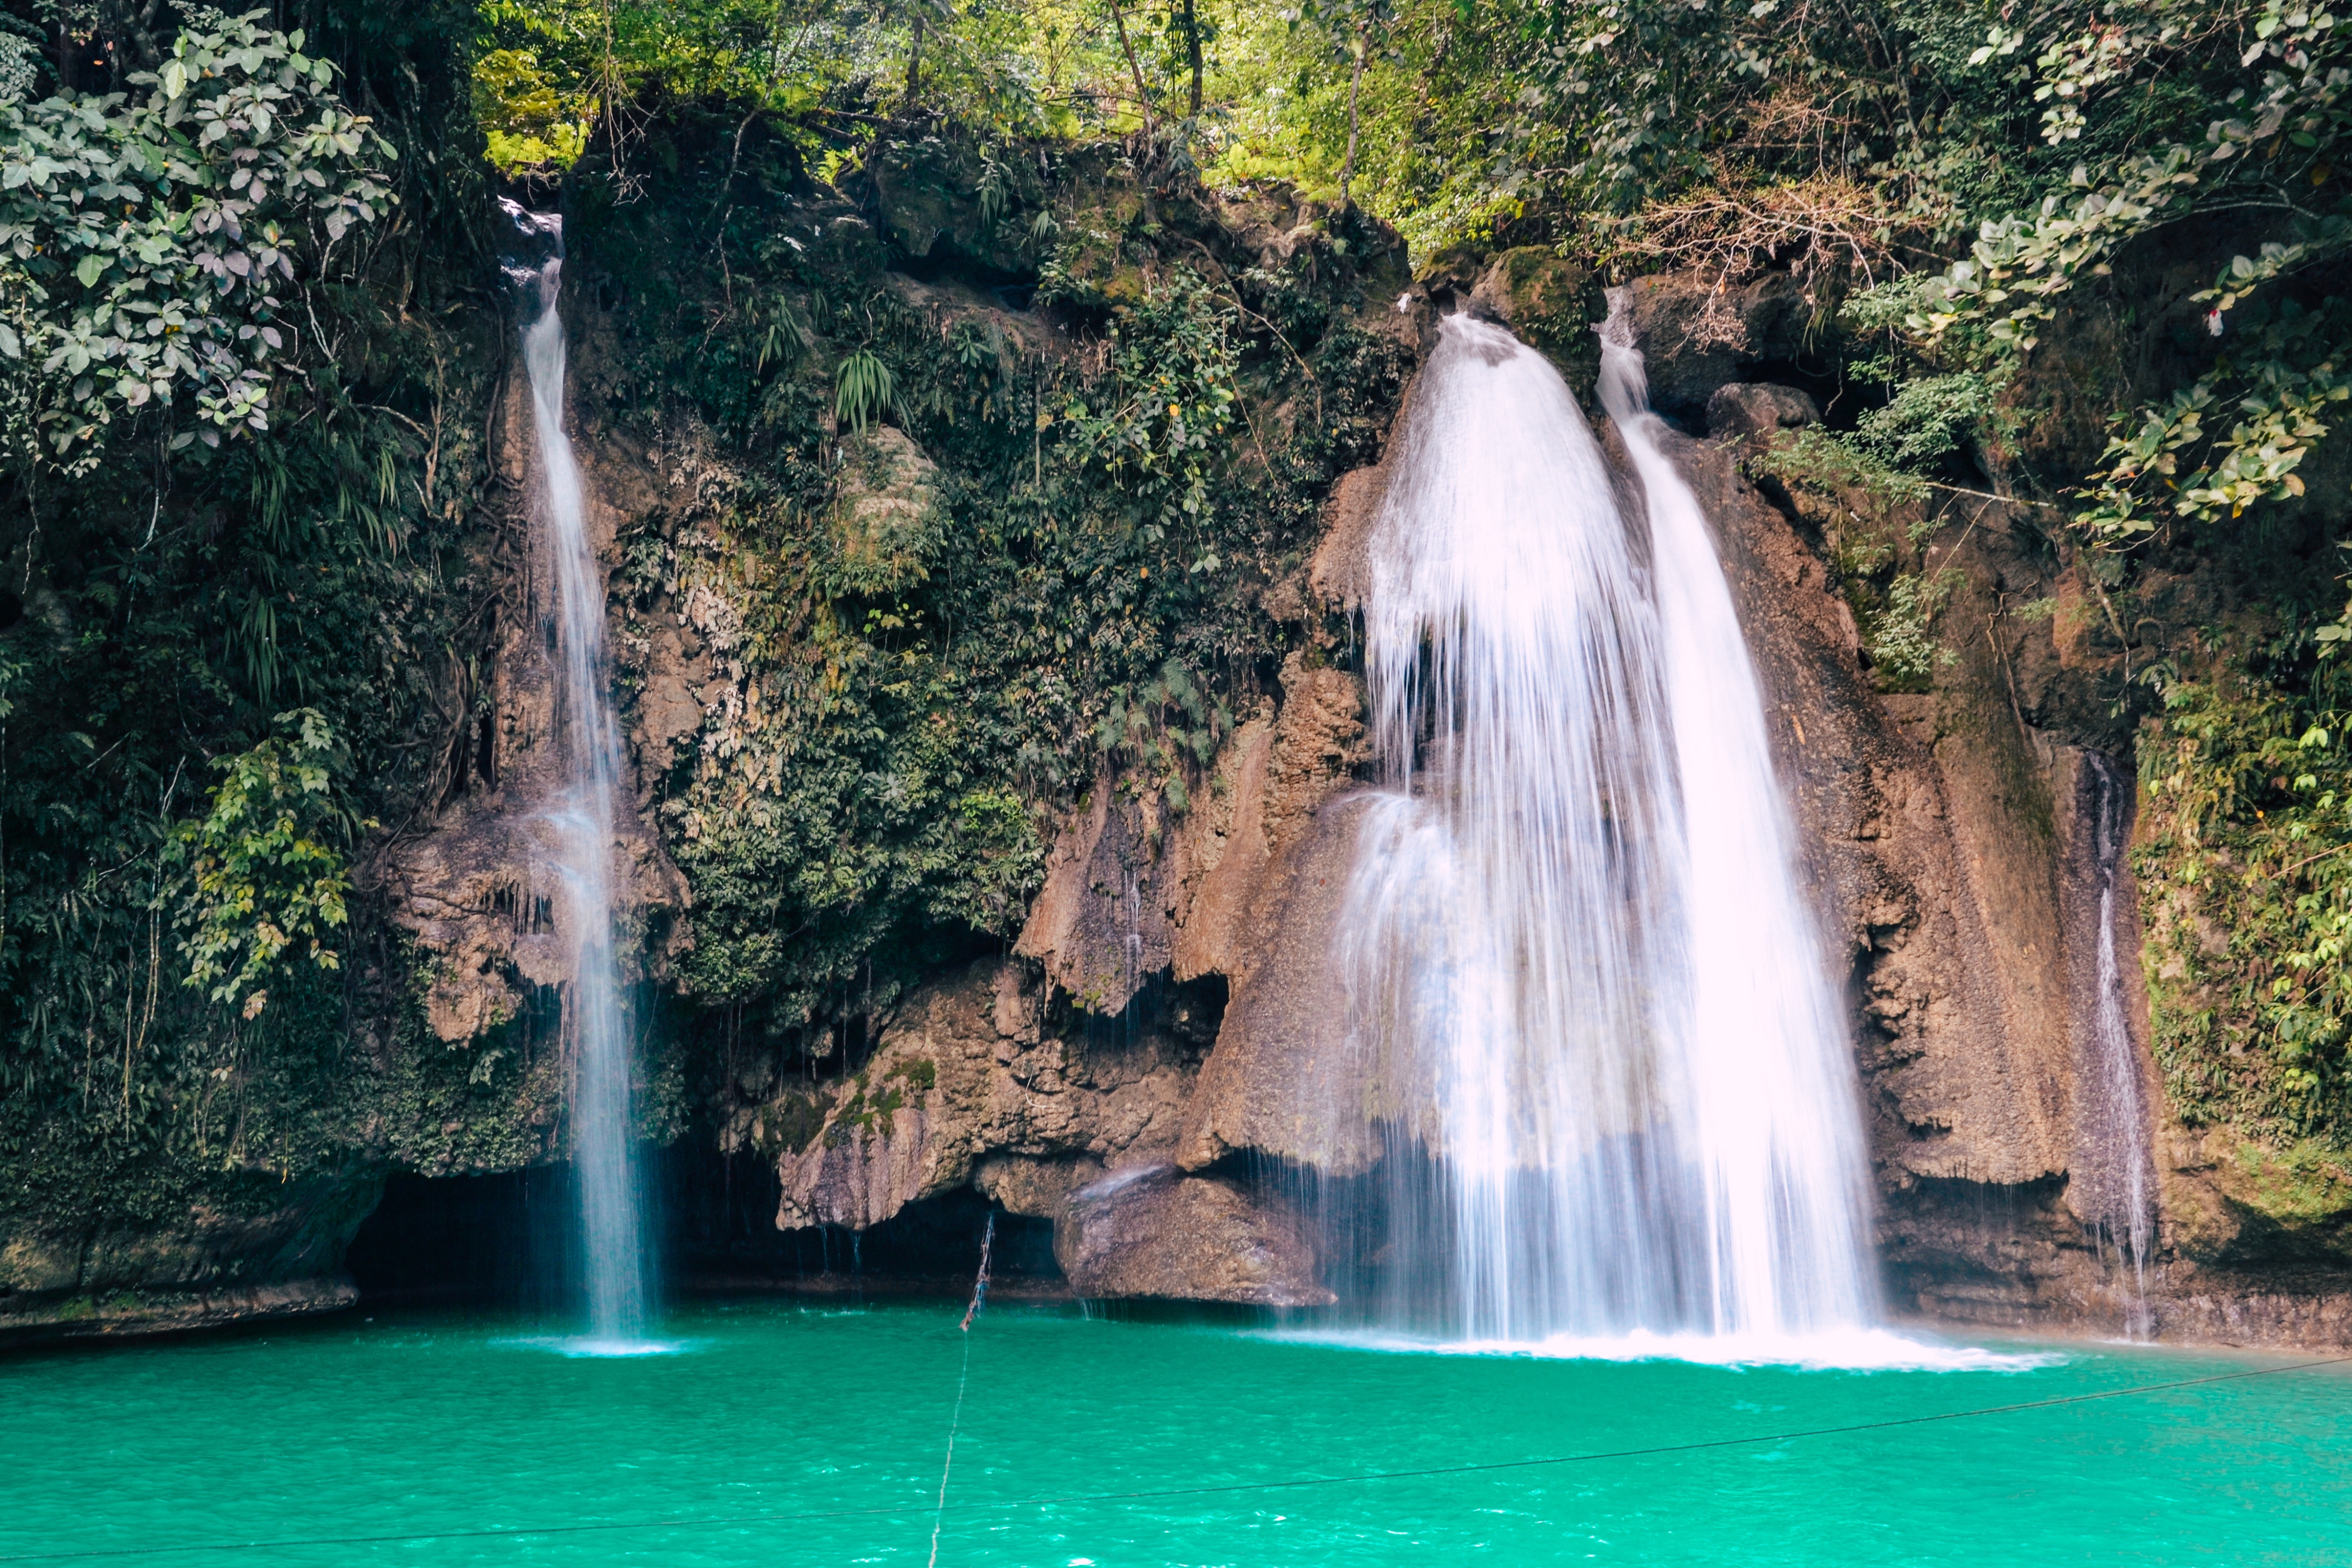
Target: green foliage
2237,104
551,77
2166,459
1927,418
1823,460
2248,817
145,238
1899,632
266,863
2153,119
184,592
1150,428
1872,529
861,388
939,633
529,125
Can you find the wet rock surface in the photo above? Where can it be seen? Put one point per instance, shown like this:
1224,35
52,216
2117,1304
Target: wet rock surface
475,888
203,1269
1172,1013
1158,1233
1697,333
1946,840
1751,408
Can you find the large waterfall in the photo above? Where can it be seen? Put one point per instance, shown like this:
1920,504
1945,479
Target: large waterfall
596,1023
1585,975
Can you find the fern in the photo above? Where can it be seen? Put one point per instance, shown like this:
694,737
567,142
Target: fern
861,388
995,192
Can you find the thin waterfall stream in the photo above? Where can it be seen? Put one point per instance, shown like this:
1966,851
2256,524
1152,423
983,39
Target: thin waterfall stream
2118,1174
1594,1007
595,1015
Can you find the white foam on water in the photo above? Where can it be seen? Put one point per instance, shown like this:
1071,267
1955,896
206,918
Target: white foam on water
1850,1350
581,1347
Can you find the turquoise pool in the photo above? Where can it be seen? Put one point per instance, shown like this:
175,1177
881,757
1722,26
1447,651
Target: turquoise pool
438,1428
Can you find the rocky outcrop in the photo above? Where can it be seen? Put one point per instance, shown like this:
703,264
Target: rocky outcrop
203,1269
1046,1082
1130,891
1754,408
1956,842
1962,1034
1697,332
1172,1022
1950,841
980,1082
1155,1232
1551,304
967,1071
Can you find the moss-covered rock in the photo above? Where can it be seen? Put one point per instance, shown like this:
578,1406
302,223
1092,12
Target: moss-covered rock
1552,304
887,514
939,193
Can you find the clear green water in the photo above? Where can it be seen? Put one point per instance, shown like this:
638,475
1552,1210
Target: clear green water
433,1423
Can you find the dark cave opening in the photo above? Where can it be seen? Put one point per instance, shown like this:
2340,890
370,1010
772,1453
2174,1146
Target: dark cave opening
503,1239
721,1234
507,1240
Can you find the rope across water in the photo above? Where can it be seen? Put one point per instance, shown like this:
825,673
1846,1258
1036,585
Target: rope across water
955,1421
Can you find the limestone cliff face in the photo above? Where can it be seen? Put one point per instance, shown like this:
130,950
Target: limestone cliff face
1169,1027
1077,1126
1953,846
1094,1079
1955,849
466,881
1936,850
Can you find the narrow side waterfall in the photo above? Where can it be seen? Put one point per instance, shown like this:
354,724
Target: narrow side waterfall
1585,979
595,1019
2113,1191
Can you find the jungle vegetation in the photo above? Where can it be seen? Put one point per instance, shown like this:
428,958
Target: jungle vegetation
2089,255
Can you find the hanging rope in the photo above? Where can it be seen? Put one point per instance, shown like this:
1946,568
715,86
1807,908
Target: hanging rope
955,1421
980,1280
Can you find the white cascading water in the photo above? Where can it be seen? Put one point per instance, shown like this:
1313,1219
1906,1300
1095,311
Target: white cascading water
2114,1188
1587,982
595,1020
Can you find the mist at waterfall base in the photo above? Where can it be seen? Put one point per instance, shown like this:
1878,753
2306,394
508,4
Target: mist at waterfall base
425,1421
1594,1014
615,1270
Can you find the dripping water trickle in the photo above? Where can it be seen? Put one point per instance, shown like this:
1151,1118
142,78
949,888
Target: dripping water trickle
2119,1175
596,1020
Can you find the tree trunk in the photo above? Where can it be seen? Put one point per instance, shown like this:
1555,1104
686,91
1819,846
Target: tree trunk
69,52
1191,21
1143,99
1355,83
130,29
915,61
